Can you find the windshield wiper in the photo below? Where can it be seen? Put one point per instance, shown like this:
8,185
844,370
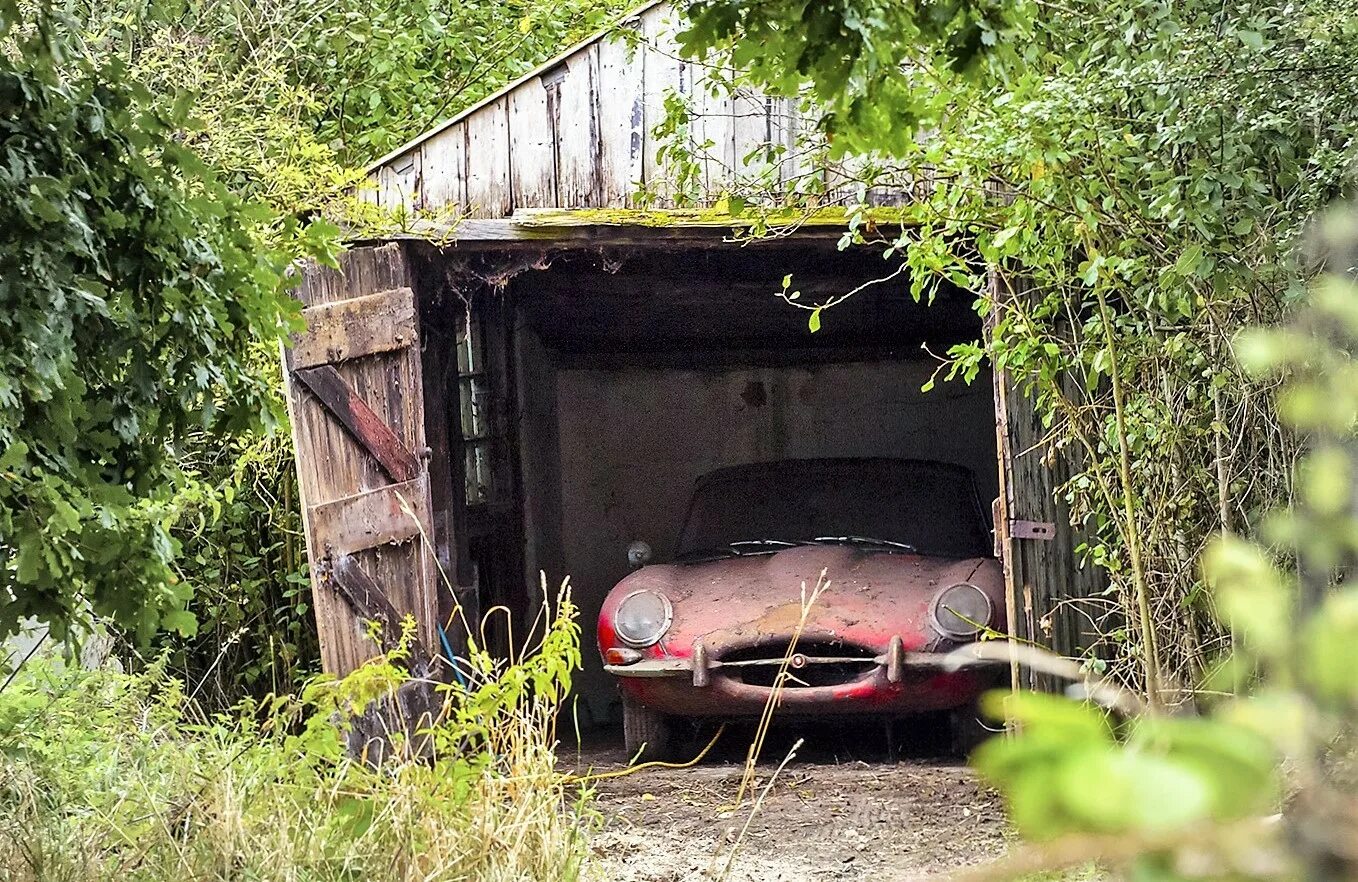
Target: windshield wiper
886,545
761,546
741,548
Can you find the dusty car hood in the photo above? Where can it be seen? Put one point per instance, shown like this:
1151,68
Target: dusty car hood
756,599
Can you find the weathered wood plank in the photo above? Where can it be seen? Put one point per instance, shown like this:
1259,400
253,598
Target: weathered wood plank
532,133
366,427
714,127
663,72
577,126
488,187
621,111
399,183
368,325
385,516
1045,582
752,134
443,166
791,130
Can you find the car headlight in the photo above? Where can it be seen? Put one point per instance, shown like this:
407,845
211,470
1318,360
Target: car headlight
642,618
961,611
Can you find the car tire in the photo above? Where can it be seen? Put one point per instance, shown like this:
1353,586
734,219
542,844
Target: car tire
968,730
647,734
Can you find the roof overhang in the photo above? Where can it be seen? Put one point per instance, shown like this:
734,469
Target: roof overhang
665,227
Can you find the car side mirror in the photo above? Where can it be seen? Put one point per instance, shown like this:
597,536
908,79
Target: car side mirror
638,555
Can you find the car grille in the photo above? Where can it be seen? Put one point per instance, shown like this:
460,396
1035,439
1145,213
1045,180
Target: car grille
759,665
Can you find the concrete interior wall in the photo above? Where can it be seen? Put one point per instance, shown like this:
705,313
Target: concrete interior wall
619,459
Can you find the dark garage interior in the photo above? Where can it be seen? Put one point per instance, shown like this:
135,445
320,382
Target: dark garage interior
596,386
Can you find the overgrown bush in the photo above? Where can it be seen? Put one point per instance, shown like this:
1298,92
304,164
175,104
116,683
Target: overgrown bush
133,288
1263,785
289,101
106,775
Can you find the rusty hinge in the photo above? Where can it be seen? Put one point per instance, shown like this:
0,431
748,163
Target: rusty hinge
1044,530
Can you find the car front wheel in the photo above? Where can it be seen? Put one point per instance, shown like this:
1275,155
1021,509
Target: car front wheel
648,734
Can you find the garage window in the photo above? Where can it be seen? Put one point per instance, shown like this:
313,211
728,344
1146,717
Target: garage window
474,394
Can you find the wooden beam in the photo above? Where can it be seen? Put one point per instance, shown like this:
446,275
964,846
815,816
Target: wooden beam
368,601
384,516
346,329
366,427
610,226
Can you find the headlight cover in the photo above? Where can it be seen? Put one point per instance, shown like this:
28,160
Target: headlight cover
961,611
642,618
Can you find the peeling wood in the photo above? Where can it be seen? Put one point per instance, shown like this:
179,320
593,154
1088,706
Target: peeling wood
532,130
621,131
398,184
1044,579
333,467
386,516
577,132
368,601
662,73
489,192
714,141
368,325
443,162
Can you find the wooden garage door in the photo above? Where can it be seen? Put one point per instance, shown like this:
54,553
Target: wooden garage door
1049,587
354,396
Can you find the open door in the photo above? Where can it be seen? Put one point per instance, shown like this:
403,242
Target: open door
1046,583
354,395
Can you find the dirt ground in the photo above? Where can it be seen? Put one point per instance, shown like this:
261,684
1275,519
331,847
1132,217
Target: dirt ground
843,809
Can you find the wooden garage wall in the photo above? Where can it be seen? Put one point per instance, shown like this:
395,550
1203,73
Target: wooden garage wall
578,133
1054,598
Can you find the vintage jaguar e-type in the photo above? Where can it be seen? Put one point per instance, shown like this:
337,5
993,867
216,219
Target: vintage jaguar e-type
906,548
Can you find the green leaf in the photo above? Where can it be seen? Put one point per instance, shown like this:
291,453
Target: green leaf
181,621
1003,236
1253,598
814,321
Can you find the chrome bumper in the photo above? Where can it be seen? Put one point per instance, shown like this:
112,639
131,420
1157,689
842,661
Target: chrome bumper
895,660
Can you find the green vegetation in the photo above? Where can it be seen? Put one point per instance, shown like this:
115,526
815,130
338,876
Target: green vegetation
106,775
134,287
1153,793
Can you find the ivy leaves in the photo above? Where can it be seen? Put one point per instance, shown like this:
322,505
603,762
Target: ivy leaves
860,60
132,286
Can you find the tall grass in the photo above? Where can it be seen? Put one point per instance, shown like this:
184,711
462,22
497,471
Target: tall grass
105,775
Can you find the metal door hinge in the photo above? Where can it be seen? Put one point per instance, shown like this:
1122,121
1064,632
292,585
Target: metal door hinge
1044,530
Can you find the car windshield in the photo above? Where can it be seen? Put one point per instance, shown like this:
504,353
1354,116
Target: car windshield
879,504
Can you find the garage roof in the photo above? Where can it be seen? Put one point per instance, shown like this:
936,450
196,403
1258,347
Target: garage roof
577,133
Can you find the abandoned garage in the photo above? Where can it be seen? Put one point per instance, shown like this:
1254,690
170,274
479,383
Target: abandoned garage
534,375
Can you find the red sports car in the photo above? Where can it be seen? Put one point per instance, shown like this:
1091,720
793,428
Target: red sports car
905,545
